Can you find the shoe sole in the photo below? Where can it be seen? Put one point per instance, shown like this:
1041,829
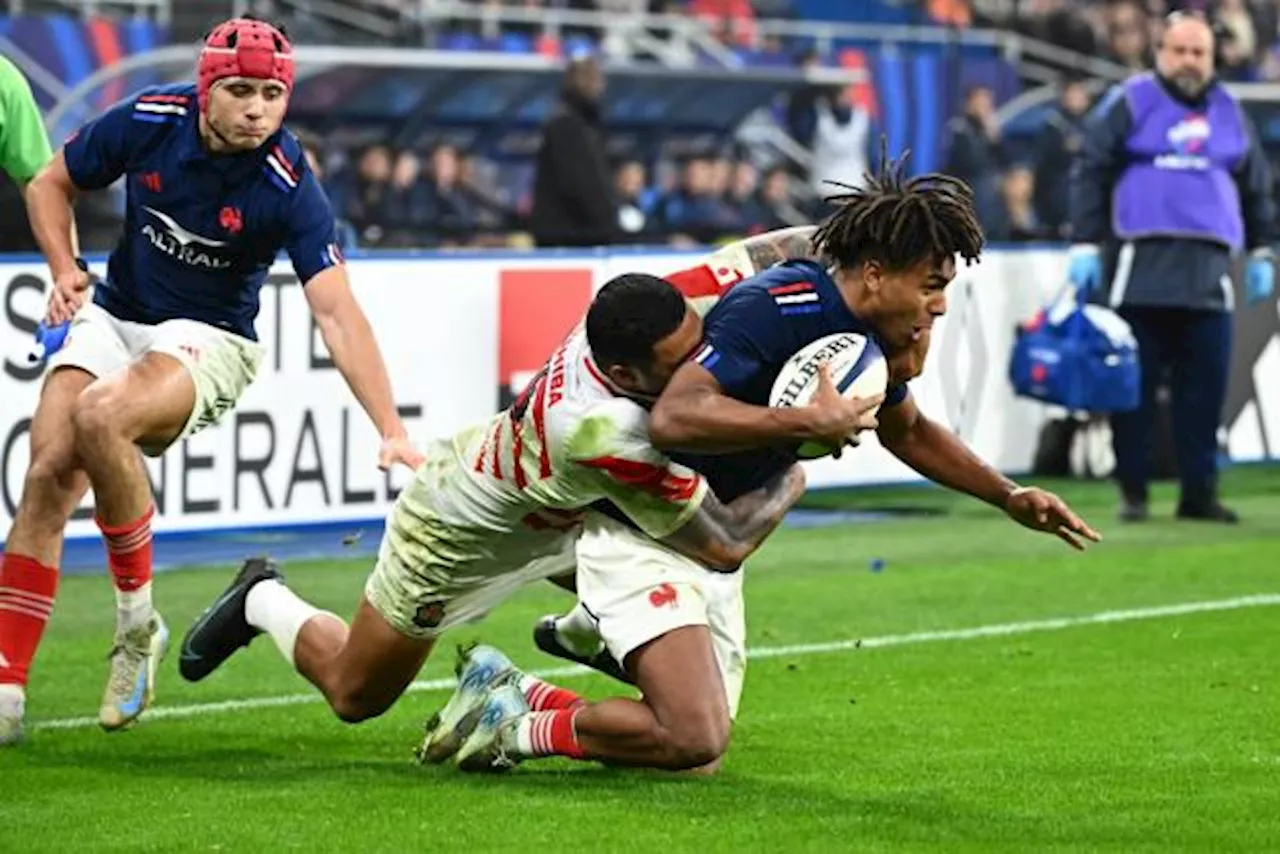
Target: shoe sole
473,753
159,648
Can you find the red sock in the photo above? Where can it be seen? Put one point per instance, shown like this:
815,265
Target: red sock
551,734
543,696
26,599
129,551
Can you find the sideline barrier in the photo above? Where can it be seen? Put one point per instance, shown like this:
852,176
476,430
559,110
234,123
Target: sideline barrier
460,332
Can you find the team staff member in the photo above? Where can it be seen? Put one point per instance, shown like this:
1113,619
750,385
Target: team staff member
1172,181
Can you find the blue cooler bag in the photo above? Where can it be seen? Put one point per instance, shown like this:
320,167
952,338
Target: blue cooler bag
1083,357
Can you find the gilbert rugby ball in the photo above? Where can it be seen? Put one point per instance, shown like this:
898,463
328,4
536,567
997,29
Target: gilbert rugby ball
858,369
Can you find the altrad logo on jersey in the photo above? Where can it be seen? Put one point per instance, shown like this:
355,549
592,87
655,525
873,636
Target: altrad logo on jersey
185,245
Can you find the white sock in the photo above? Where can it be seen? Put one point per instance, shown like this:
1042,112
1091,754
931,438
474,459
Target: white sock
133,607
12,697
278,611
578,631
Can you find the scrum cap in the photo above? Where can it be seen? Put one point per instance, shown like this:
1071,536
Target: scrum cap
243,47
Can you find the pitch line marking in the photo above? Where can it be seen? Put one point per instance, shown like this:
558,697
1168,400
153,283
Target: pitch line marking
973,633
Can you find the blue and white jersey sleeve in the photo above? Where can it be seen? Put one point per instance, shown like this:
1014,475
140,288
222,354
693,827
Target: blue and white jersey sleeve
312,237
745,339
99,152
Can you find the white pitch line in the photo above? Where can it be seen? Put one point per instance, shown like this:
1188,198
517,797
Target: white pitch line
973,633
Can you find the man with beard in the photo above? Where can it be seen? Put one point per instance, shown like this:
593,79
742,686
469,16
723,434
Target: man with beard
1172,181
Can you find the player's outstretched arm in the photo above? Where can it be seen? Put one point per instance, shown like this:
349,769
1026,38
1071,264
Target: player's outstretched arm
937,454
722,536
349,337
695,415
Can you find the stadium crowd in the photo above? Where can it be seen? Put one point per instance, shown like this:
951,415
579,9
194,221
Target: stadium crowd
443,193
447,197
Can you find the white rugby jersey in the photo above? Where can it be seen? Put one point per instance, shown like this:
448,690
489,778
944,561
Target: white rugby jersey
499,494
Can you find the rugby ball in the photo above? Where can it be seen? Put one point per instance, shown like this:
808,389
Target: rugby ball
858,369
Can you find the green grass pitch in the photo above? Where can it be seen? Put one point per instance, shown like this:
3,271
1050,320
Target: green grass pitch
1145,730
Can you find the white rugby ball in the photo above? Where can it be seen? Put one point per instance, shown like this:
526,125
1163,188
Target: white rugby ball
858,369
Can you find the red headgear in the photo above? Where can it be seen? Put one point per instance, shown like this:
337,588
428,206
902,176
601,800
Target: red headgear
243,47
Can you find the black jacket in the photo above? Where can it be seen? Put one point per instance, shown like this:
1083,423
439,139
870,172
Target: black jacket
573,201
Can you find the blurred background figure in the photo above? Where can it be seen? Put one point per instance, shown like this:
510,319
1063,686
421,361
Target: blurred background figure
976,156
573,201
841,141
1056,147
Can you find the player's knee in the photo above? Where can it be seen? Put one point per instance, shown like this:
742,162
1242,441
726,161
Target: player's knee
698,741
50,476
94,415
354,707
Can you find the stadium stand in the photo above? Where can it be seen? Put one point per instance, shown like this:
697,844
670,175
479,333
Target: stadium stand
410,166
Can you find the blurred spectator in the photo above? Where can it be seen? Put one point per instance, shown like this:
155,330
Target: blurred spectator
775,196
734,19
951,13
634,208
841,141
802,113
1056,146
1058,22
1128,43
366,205
975,155
572,198
312,150
697,209
1021,222
745,200
452,208
408,208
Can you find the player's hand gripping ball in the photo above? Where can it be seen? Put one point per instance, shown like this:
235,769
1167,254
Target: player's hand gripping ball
858,375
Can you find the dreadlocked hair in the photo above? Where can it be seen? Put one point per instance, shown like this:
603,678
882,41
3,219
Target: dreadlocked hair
900,221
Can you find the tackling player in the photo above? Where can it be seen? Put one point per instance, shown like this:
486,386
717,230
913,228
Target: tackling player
500,505
215,188
893,245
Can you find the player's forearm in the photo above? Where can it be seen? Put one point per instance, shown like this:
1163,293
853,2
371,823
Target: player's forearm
938,455
717,424
758,513
784,244
52,223
355,352
722,536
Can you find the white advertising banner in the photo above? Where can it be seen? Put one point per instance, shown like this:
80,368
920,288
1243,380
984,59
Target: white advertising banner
459,333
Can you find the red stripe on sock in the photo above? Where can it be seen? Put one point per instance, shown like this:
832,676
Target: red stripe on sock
543,696
27,590
129,551
553,734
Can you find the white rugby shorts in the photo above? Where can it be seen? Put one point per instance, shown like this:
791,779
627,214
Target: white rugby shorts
221,364
638,590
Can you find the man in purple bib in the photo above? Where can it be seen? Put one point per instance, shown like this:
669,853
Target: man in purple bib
1170,185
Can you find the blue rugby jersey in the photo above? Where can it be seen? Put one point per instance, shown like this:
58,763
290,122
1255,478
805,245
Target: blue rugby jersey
749,335
201,229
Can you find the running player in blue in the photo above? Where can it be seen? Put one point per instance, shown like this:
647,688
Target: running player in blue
216,187
893,246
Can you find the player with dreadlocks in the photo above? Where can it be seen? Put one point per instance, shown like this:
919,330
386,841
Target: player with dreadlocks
677,630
